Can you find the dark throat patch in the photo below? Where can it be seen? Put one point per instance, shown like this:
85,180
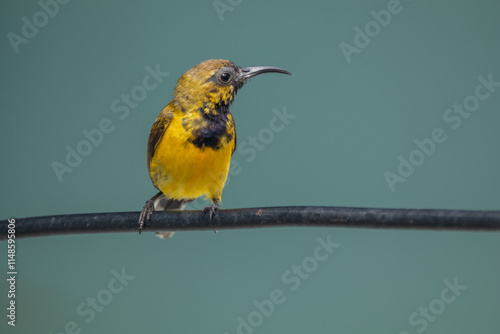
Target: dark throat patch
212,127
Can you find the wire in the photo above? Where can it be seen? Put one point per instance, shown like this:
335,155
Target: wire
305,216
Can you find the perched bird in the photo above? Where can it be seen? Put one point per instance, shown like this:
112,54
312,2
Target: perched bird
192,140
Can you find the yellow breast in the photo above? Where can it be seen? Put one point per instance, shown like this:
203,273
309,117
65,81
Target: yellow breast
182,170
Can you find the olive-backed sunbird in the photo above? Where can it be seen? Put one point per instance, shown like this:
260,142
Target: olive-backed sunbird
192,140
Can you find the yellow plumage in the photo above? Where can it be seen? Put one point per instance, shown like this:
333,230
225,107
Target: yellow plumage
183,171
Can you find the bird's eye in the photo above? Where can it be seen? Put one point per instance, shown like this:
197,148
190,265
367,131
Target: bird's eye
225,77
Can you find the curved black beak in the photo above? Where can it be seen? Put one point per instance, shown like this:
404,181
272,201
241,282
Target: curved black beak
246,73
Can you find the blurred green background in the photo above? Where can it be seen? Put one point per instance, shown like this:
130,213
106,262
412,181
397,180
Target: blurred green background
354,116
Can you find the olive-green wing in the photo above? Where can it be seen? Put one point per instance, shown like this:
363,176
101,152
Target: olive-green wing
157,130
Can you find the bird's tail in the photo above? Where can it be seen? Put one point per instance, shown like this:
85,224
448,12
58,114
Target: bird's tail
165,204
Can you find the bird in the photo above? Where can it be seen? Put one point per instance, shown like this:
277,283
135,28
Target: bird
191,143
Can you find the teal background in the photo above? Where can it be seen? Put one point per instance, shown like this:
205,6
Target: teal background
352,121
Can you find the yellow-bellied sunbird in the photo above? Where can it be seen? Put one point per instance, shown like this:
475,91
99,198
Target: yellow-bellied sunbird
192,140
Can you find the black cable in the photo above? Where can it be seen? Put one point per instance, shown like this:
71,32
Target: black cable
306,216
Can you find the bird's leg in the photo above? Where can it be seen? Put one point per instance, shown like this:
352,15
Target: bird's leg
212,209
147,210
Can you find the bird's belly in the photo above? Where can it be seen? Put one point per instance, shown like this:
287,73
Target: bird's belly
183,171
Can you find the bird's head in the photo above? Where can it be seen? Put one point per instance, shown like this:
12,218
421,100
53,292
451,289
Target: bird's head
211,85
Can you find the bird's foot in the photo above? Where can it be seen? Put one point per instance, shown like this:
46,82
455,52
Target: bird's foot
212,209
146,212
